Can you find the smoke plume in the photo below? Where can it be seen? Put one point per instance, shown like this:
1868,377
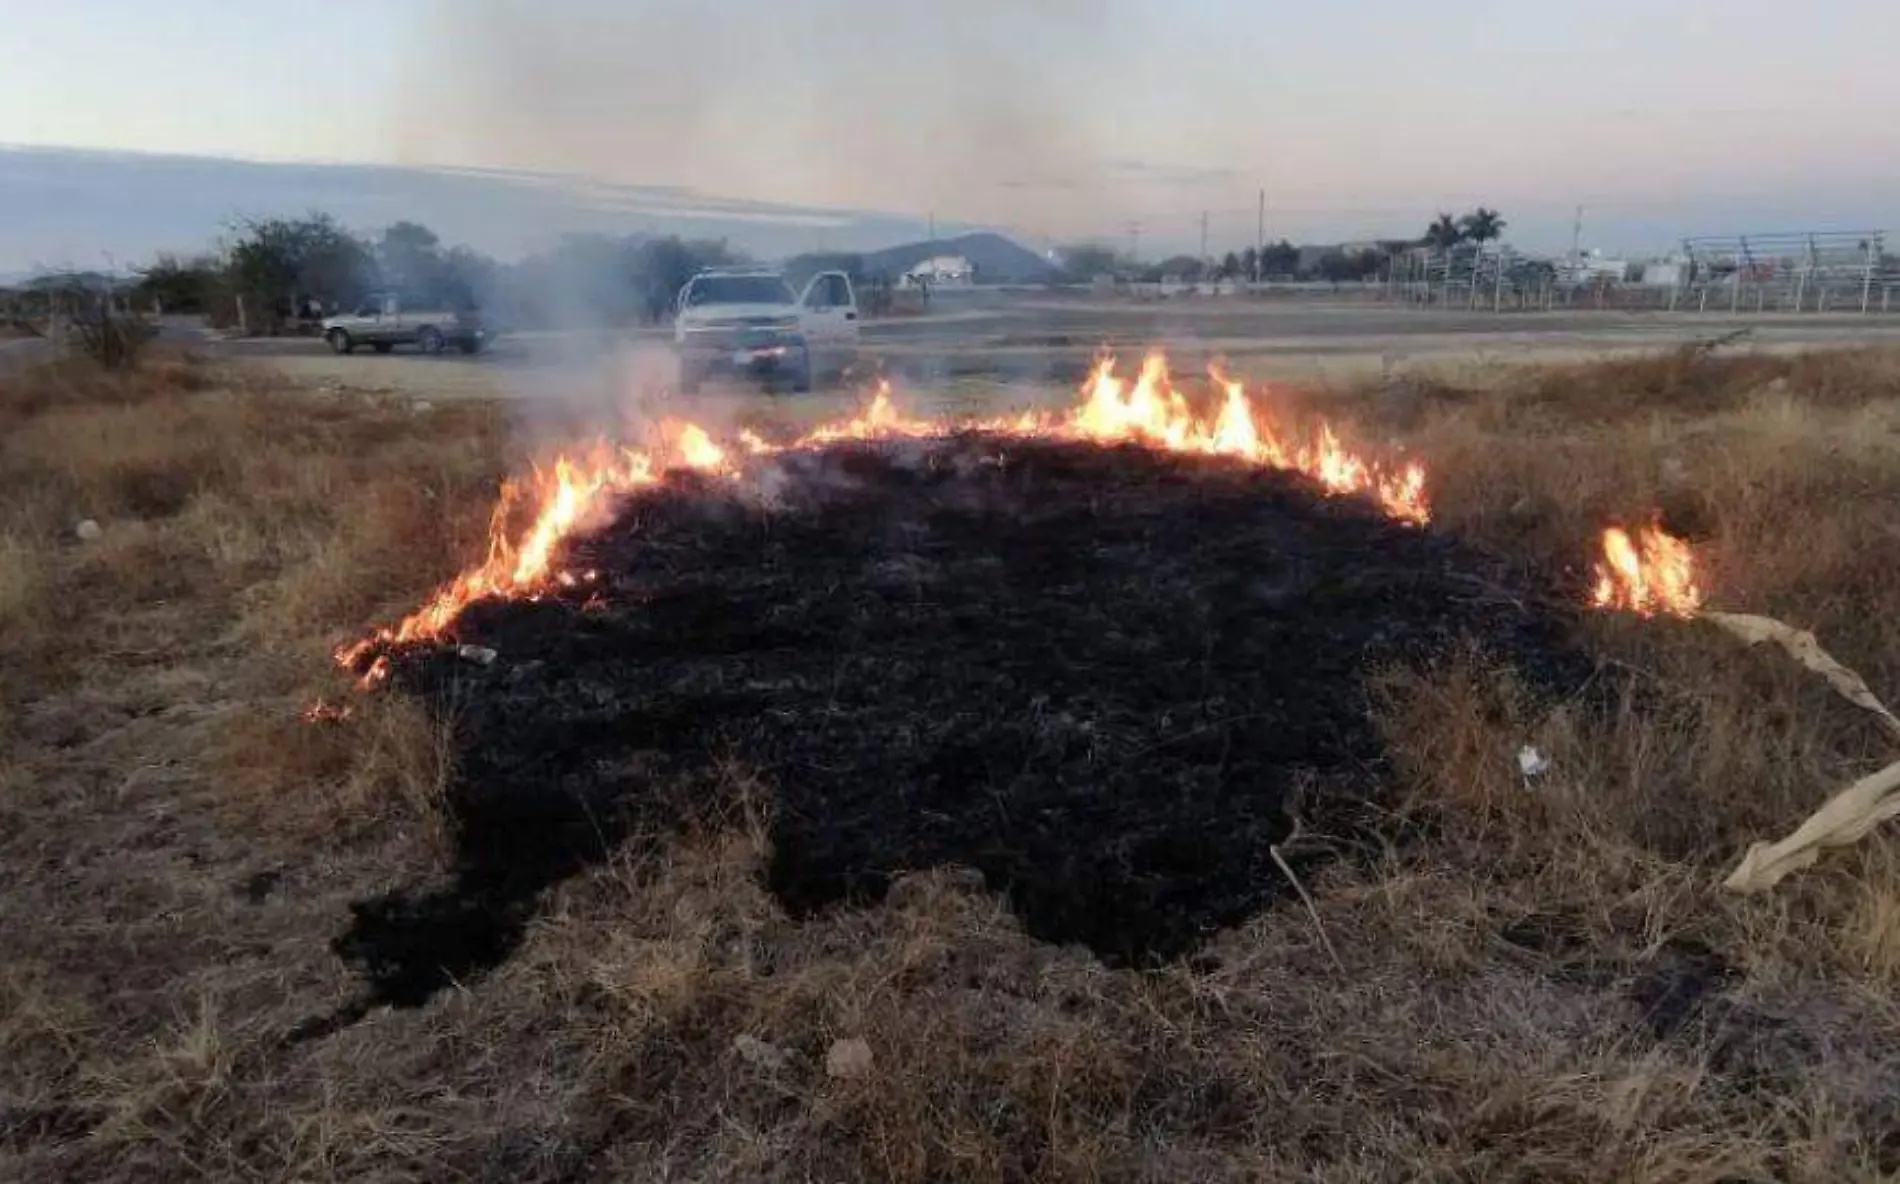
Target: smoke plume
977,110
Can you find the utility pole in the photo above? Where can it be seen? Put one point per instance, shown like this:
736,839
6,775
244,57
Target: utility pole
1260,237
933,232
1576,245
1203,240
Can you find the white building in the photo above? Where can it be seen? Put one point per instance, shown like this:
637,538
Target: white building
1664,273
1592,267
941,271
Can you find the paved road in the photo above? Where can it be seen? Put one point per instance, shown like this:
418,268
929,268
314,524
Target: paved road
1036,340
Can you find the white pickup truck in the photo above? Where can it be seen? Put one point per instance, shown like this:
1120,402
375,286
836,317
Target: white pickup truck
746,322
382,323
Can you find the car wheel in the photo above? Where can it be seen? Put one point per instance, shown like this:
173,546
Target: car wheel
430,339
340,342
801,377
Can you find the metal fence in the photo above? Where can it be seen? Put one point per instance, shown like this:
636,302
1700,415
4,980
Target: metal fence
1834,271
1813,272
1471,275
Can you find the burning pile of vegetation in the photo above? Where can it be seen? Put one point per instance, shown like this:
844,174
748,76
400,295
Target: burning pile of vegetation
1105,659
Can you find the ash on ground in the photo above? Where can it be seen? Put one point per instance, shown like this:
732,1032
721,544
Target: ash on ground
1095,675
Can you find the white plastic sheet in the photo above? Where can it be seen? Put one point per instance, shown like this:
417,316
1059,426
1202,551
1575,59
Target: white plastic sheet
1849,815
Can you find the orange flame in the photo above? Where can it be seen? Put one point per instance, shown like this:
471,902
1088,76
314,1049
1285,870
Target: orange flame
879,420
575,493
1153,412
1649,573
568,497
697,450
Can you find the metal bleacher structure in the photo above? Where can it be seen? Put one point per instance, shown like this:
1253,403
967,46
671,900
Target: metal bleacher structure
1812,272
1829,271
1472,275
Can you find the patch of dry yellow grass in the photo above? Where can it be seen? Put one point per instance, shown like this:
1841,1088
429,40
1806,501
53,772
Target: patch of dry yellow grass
21,597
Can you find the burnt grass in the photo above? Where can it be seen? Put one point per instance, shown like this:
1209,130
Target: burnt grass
1104,678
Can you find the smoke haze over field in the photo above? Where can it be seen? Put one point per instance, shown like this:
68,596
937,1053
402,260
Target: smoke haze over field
984,108
1067,118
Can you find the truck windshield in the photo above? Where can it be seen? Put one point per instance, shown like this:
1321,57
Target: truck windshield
738,289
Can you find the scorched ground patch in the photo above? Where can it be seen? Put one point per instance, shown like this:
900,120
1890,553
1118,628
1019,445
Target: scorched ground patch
1100,676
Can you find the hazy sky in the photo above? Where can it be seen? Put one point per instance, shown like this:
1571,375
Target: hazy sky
1061,118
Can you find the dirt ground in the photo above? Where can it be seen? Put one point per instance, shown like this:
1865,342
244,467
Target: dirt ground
1542,981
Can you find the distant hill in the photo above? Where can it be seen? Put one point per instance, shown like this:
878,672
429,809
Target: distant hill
95,281
73,209
997,259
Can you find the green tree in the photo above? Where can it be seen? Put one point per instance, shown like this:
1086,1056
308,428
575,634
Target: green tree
1082,262
409,260
1337,267
663,265
469,278
1443,232
1186,267
1279,259
277,263
1231,267
180,285
1481,225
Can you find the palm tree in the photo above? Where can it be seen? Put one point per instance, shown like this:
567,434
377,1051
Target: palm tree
1482,225
1444,232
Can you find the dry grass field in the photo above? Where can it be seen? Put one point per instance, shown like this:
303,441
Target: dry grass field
1545,983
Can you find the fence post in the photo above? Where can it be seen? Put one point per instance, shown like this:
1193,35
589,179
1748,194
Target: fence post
1867,276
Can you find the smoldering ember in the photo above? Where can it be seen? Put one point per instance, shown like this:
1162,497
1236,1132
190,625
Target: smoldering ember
1107,675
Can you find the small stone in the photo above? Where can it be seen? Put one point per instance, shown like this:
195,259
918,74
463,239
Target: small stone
1531,762
88,531
848,1060
421,406
481,655
760,1054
